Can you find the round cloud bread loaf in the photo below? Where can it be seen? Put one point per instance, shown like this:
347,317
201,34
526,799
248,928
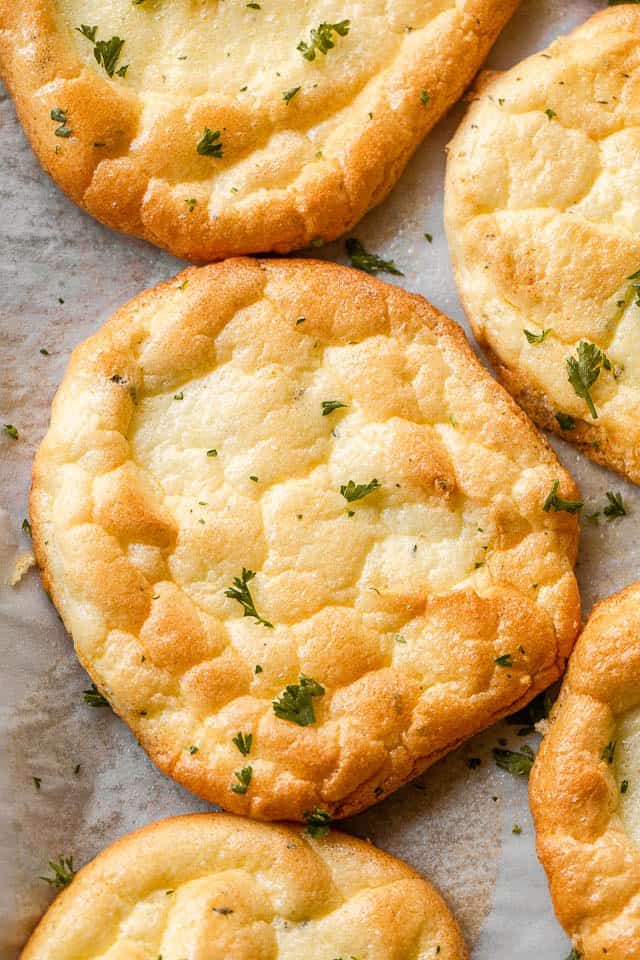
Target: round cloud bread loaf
221,127
283,500
210,885
585,786
543,219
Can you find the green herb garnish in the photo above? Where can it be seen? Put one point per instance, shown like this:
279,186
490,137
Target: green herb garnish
321,39
504,660
209,144
556,503
566,421
288,95
517,763
318,822
537,337
244,779
295,703
240,592
94,698
60,117
585,370
369,262
106,52
63,872
615,507
356,491
11,431
609,752
328,406
243,742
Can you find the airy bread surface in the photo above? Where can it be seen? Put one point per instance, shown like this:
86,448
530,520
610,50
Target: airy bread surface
295,166
543,219
189,442
585,786
210,886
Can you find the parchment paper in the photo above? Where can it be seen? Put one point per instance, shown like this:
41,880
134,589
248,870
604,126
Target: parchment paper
62,275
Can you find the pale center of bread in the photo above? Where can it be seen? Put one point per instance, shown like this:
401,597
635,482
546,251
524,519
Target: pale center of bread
627,757
187,48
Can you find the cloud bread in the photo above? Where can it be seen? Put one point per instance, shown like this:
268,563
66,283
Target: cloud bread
543,219
213,885
312,108
585,786
284,500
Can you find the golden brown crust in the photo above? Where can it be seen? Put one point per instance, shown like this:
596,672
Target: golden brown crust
577,792
542,206
291,172
209,885
398,604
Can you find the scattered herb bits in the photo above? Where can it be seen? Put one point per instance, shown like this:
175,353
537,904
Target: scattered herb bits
584,370
209,144
328,406
518,763
557,503
322,40
356,491
318,822
62,872
537,337
94,698
241,593
244,779
295,703
243,742
615,506
59,116
369,262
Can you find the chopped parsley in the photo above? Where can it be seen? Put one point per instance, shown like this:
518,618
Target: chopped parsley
504,660
288,95
369,262
295,703
209,144
517,763
63,872
37,781
94,698
244,779
537,337
550,113
26,527
516,829
635,277
193,749
11,431
424,97
624,786
243,742
615,507
60,117
609,752
212,453
585,370
318,822
356,491
106,52
240,592
328,406
566,421
191,204
321,39
557,503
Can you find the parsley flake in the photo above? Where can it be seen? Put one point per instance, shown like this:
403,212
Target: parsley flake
11,431
240,592
550,113
356,491
557,504
243,742
369,262
517,763
288,95
26,527
209,144
244,779
60,117
424,97
37,781
328,406
565,421
537,337
63,872
585,370
504,660
295,703
615,507
609,752
318,822
321,39
94,698
106,52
